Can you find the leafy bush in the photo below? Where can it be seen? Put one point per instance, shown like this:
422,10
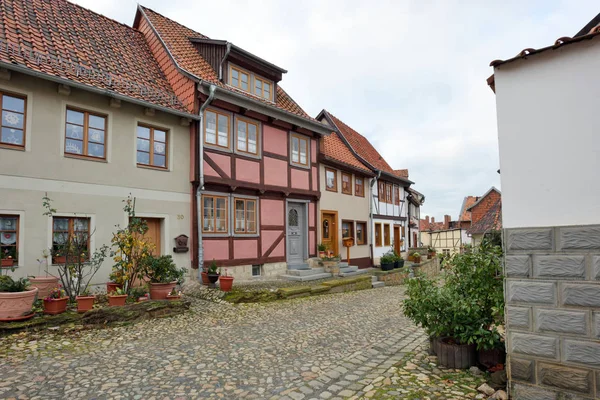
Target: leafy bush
162,269
8,284
388,258
470,303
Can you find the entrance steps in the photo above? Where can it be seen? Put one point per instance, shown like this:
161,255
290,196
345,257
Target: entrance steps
303,273
353,271
376,283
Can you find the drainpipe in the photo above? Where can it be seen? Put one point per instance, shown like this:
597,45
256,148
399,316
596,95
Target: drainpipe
223,60
371,200
211,96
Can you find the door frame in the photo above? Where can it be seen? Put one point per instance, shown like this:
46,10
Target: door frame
164,228
337,239
397,238
304,204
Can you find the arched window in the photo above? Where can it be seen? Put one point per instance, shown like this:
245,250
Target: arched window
293,217
326,229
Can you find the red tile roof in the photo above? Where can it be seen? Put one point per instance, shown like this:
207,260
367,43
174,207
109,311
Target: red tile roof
334,148
402,173
177,40
490,221
431,226
467,203
67,41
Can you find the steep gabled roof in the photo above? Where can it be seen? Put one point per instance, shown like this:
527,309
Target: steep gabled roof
465,215
67,43
176,38
335,149
491,220
492,189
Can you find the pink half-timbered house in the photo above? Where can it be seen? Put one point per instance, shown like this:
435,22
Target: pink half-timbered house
254,170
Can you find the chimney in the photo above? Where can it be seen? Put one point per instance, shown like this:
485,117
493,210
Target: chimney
427,219
446,221
432,220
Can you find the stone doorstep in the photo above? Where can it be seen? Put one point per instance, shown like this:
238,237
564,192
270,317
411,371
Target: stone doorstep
378,284
306,278
351,268
355,273
305,272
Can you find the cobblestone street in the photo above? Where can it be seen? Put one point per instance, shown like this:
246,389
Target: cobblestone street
335,346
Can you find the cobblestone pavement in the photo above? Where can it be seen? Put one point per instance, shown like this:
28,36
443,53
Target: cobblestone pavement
332,346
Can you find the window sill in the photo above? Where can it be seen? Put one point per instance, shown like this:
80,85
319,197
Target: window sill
331,190
216,147
246,235
297,165
143,166
215,235
12,147
87,158
348,194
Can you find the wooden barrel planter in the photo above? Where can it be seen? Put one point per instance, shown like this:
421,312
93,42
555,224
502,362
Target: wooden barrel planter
453,355
491,358
434,345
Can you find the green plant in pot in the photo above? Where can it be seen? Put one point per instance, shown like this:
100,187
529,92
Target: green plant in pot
416,257
117,298
213,272
321,248
387,261
163,275
16,298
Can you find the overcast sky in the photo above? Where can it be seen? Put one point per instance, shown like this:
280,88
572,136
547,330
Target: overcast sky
408,75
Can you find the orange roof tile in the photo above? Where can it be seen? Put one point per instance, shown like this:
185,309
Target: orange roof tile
67,41
402,173
177,40
491,220
334,148
467,203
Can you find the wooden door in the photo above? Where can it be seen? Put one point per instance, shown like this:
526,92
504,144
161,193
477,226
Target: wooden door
329,231
153,234
397,238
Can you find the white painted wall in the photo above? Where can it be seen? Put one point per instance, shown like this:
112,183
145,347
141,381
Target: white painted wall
549,137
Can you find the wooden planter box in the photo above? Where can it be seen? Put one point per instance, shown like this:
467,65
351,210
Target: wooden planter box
458,356
491,358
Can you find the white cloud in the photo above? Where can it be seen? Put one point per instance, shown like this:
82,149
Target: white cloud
409,75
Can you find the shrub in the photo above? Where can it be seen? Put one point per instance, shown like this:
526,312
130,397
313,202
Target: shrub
8,284
162,269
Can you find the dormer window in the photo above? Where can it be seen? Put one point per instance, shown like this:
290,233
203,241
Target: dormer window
250,82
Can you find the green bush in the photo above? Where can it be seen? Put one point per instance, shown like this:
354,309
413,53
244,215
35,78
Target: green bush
162,269
8,284
470,303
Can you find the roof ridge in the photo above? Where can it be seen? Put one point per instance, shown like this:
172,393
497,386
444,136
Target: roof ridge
144,8
100,15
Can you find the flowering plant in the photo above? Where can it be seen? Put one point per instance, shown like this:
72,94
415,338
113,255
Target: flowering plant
56,294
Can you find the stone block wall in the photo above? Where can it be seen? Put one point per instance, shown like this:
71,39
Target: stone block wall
552,294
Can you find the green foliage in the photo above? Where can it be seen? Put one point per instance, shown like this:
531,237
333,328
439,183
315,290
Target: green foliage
118,292
416,254
321,247
470,303
388,258
8,284
213,268
162,269
55,294
138,292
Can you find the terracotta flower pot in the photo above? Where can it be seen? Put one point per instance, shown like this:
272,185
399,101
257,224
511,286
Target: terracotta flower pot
45,284
14,305
55,306
7,262
173,297
321,254
59,260
417,260
159,291
226,282
85,303
205,280
111,286
117,300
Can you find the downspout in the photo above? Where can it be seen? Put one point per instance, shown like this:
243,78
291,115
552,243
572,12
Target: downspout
210,98
371,200
223,60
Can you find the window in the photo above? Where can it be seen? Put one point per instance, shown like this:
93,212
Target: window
247,136
13,120
69,231
347,229
386,235
9,237
331,180
381,191
388,193
85,134
152,146
361,233
245,216
377,235
397,195
256,270
239,78
262,88
214,214
299,150
359,189
216,128
346,183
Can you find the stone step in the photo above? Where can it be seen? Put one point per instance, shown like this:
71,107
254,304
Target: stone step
351,268
378,284
304,272
305,278
298,266
343,264
374,279
354,273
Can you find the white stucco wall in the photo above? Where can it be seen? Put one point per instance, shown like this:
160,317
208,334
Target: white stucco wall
547,107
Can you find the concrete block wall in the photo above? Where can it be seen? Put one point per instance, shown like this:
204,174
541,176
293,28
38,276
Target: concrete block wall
552,294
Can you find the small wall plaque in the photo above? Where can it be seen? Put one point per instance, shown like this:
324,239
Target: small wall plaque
181,244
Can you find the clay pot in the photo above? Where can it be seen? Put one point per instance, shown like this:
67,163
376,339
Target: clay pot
417,260
160,291
45,284
205,280
14,305
117,300
55,306
85,303
321,254
226,282
7,262
173,297
111,286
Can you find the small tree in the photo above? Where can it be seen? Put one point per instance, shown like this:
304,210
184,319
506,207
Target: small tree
130,248
79,267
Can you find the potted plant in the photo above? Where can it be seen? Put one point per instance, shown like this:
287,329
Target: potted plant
174,295
490,347
387,261
56,302
85,300
416,257
163,275
117,298
321,247
430,252
16,298
204,275
44,283
213,272
6,258
225,281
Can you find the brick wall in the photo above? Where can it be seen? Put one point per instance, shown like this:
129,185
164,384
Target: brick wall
484,205
553,312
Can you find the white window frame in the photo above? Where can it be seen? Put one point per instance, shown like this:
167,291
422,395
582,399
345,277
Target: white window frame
308,145
28,113
259,135
232,133
170,146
